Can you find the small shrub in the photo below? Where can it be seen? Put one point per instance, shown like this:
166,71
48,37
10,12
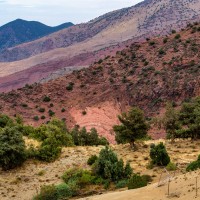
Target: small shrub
178,36
41,110
106,185
161,52
70,86
64,191
136,181
171,166
24,105
194,165
151,43
41,173
43,117
84,112
165,40
147,178
51,105
81,177
109,167
36,118
173,31
63,110
150,165
92,160
49,150
47,193
51,113
46,99
159,155
121,184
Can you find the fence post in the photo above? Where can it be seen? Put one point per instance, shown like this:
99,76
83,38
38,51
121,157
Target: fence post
196,187
168,186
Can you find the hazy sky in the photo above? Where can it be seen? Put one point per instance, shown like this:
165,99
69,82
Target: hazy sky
58,11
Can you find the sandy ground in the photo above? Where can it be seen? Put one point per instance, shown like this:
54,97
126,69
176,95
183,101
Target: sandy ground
182,187
25,182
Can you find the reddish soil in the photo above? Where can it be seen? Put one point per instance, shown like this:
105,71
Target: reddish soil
145,74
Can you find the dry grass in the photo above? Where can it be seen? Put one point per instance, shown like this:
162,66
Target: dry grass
23,183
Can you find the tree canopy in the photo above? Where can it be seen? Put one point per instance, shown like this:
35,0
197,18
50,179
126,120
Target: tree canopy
133,126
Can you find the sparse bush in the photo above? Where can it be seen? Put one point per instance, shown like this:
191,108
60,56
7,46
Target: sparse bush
165,40
178,36
41,110
46,99
84,112
63,110
70,86
136,181
161,52
151,43
194,165
171,166
121,184
36,118
64,191
51,105
51,113
147,178
24,105
43,117
49,150
159,155
47,193
173,31
81,177
109,167
92,160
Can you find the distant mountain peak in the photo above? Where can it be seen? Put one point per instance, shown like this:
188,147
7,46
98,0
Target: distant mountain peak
20,31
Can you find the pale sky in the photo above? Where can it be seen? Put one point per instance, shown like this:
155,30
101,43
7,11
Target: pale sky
59,11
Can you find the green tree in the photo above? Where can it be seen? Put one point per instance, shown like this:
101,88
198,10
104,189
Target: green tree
12,148
108,166
133,126
190,118
159,155
171,121
84,138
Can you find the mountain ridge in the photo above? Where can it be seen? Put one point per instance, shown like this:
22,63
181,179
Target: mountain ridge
20,31
85,43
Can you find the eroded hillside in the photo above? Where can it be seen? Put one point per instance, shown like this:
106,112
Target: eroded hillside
145,74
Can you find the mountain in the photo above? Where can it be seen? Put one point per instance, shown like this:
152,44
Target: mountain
151,17
20,31
85,43
146,74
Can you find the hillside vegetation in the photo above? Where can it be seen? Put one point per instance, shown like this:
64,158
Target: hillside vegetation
144,74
